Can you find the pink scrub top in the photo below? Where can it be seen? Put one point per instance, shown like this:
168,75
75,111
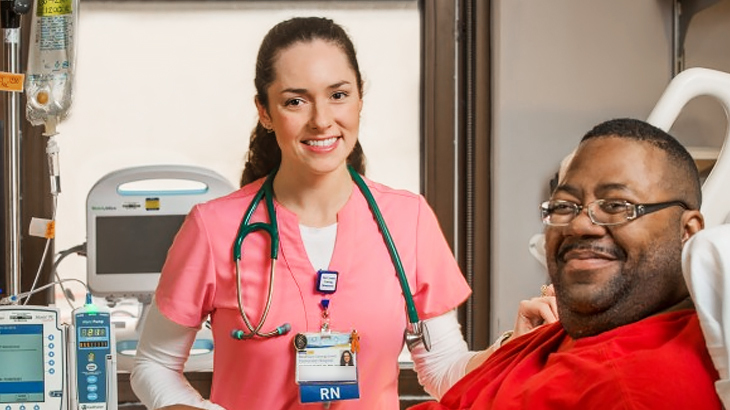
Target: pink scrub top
198,279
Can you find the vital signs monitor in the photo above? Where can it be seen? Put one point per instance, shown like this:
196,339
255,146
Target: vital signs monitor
132,216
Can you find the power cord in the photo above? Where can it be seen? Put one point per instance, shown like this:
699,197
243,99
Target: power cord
67,293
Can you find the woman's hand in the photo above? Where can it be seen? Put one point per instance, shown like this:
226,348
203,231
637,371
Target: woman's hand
536,312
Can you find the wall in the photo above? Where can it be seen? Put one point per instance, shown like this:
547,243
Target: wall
560,67
703,120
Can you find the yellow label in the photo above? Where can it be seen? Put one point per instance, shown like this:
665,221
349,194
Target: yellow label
152,204
11,81
53,8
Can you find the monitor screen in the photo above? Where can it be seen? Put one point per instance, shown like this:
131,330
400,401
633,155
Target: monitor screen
21,355
132,217
134,244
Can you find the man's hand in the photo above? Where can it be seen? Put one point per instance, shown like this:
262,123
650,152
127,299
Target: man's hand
536,312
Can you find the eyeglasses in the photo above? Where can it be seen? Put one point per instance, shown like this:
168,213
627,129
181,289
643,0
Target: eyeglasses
604,212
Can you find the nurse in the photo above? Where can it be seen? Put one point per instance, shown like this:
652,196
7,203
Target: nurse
335,286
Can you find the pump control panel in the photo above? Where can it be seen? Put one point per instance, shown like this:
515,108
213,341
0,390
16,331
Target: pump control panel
32,353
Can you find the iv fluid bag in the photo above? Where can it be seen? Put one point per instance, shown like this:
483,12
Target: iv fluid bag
49,78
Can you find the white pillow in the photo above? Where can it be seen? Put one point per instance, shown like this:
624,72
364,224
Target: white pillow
706,268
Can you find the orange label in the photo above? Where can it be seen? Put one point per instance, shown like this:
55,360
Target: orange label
51,230
11,81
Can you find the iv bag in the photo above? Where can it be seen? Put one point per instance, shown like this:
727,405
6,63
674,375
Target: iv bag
51,59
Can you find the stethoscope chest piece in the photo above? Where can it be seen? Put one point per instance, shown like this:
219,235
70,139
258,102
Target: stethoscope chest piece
417,333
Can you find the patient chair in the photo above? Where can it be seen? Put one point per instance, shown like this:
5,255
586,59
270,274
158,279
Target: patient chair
706,256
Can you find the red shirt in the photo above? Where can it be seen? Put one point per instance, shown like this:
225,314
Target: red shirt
657,363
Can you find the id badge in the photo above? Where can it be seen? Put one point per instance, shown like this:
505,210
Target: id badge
326,367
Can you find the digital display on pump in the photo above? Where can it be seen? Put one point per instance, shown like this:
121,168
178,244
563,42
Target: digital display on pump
92,332
93,337
21,355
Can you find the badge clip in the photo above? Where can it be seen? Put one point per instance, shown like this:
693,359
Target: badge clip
327,281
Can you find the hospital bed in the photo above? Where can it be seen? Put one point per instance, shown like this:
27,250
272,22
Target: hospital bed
687,85
706,256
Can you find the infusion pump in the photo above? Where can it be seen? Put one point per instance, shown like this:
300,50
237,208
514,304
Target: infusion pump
45,364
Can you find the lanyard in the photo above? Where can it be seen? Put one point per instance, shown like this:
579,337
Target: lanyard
416,331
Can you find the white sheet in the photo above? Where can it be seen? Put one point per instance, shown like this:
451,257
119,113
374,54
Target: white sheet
706,267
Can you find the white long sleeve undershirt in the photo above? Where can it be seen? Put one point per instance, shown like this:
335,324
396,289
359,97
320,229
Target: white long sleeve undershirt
158,380
445,364
157,377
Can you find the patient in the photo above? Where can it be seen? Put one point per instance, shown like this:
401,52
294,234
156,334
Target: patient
628,335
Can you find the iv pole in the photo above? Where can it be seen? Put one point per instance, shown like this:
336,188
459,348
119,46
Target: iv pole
10,19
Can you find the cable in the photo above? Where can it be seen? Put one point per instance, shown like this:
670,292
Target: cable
45,251
8,300
78,249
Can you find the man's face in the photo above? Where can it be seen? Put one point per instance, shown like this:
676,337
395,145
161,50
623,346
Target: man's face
608,276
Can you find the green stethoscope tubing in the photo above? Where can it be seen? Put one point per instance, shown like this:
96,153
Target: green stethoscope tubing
266,192
410,305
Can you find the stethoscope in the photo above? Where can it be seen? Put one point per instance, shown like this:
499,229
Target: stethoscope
416,331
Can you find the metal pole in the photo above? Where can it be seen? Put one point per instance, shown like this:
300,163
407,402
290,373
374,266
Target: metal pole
677,38
11,141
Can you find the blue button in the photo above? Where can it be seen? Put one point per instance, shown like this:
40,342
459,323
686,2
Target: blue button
51,354
92,387
36,407
91,379
22,407
52,362
92,396
50,337
8,408
51,345
51,371
91,367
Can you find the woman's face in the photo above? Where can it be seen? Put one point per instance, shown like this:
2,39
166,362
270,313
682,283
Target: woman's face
314,108
346,357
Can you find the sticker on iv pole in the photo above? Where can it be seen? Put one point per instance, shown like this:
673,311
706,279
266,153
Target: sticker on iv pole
11,81
326,367
327,281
